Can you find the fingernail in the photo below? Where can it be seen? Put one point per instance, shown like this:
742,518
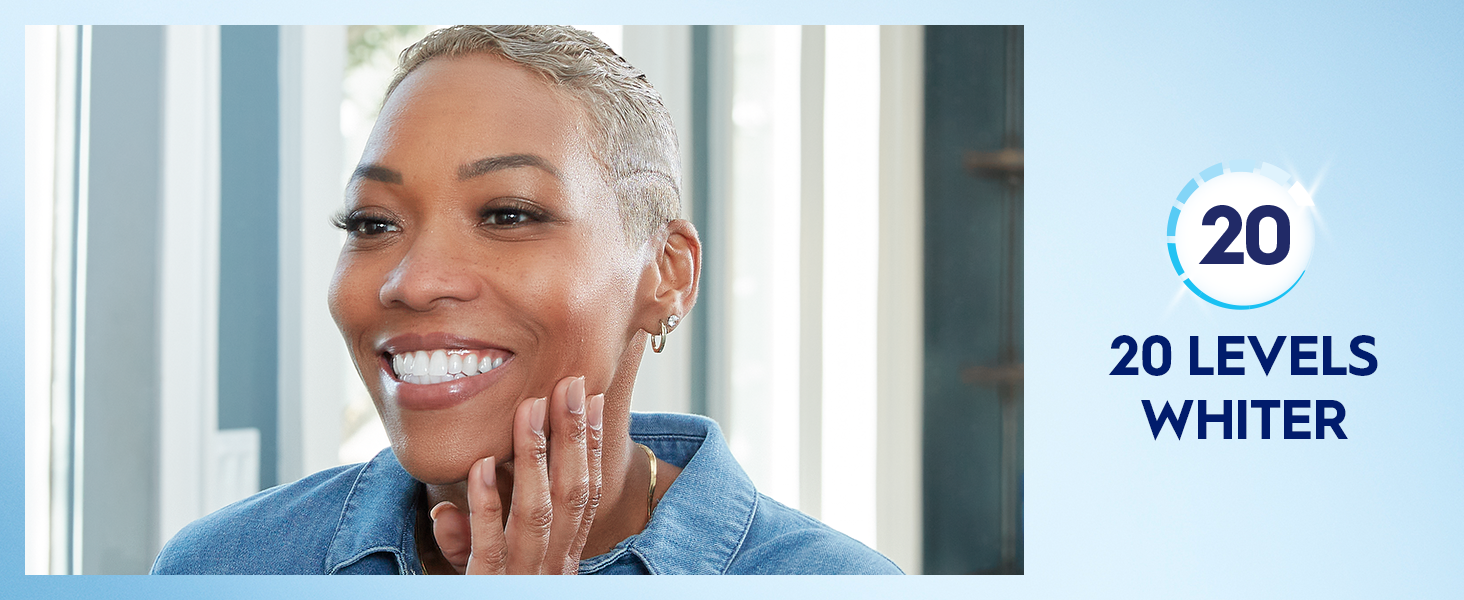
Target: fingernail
488,472
438,509
576,400
536,416
596,418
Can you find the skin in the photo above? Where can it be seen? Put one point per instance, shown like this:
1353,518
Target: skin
480,210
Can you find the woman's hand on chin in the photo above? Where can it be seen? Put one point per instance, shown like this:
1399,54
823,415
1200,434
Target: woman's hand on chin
550,515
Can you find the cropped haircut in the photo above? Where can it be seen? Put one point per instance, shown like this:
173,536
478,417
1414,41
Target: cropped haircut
637,144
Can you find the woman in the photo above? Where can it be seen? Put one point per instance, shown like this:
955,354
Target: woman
514,241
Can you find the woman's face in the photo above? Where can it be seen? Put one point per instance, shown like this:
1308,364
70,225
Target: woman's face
480,224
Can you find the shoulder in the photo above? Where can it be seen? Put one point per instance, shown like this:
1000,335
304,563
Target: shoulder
282,530
782,540
740,531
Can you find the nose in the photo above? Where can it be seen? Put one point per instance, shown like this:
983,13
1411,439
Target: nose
427,276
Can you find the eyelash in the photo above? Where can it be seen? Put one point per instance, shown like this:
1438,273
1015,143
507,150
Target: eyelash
527,214
356,223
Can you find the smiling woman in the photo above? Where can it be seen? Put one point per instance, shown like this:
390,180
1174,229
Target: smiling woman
514,238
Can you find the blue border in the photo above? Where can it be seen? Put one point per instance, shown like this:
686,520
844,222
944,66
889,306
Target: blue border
1191,286
1189,188
1212,172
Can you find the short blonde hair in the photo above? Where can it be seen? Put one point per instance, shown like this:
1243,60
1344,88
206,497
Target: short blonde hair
637,145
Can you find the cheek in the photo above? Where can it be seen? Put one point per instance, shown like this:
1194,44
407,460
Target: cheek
351,297
582,310
335,295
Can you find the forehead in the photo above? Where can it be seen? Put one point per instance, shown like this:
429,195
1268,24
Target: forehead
461,109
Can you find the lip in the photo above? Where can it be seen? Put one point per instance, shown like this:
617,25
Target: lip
434,396
412,342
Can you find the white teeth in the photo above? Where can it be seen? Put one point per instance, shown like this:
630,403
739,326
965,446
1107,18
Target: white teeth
437,366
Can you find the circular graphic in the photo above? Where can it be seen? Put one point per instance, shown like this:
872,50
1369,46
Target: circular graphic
1240,234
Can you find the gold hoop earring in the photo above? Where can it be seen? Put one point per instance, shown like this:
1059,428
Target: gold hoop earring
658,342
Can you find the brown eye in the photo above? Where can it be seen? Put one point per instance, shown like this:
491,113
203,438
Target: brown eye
509,217
371,227
359,225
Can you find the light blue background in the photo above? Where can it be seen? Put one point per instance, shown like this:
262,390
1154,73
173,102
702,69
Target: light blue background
1121,110
1122,105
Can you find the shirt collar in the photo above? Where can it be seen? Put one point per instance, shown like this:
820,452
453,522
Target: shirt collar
697,528
703,518
379,515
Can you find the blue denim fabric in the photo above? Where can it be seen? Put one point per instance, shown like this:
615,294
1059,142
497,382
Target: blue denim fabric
359,519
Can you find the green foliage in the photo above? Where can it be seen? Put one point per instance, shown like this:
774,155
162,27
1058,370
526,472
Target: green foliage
379,44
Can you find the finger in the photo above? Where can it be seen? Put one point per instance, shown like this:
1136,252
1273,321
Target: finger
569,485
531,513
594,421
490,546
452,531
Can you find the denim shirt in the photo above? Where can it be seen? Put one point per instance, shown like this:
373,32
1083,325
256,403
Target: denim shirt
360,519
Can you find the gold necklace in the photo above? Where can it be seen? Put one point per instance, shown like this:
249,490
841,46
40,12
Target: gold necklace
651,496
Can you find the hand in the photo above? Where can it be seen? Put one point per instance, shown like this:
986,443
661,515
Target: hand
550,515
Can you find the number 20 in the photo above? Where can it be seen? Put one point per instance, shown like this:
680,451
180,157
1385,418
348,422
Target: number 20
1219,256
1123,367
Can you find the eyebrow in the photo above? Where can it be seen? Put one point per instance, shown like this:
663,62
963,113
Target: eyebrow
377,173
476,168
507,161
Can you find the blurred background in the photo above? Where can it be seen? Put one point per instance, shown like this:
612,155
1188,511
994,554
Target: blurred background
858,190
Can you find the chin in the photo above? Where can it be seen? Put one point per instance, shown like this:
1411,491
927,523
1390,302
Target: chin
441,453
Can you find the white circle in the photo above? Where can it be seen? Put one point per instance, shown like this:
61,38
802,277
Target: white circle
1249,283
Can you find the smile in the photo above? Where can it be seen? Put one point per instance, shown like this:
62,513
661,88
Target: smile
437,366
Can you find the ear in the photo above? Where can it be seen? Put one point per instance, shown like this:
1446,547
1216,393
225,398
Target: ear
670,282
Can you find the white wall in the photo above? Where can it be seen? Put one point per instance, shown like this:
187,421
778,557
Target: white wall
901,302
189,275
312,359
41,112
663,53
